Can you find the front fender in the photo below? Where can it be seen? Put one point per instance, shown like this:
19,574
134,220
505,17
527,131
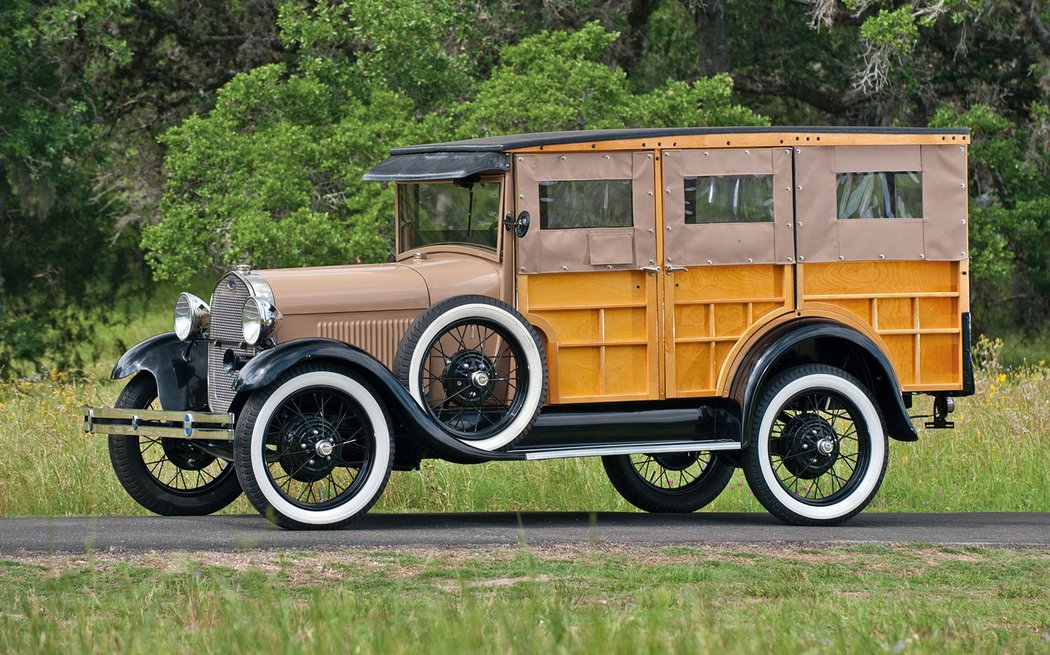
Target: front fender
268,365
753,375
180,369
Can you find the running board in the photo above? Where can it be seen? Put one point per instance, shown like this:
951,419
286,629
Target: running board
624,448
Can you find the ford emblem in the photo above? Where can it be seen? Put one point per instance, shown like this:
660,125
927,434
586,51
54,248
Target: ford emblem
231,284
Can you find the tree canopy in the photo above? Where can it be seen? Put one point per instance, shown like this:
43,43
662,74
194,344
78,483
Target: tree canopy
165,139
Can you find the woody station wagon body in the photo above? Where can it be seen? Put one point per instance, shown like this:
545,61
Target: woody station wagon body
680,302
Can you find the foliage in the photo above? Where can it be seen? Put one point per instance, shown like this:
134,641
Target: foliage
194,135
1010,200
272,174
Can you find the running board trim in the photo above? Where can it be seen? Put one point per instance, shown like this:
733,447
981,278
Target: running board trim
632,448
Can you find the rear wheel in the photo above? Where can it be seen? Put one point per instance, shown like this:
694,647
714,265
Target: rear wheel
818,449
668,482
172,477
313,449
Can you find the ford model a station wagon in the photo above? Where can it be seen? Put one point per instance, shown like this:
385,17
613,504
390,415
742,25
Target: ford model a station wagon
679,302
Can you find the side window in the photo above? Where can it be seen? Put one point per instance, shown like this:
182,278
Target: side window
728,199
880,195
573,204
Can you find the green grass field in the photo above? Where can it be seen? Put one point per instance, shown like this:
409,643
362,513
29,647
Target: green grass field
994,460
855,600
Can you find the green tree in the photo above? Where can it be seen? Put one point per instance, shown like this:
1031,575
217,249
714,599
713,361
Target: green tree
272,174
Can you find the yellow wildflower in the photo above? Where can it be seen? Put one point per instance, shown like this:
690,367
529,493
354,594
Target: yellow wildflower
1002,377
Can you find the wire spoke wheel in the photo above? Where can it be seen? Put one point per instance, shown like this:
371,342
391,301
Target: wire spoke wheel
318,449
672,472
181,466
173,477
477,368
668,482
817,448
473,373
314,448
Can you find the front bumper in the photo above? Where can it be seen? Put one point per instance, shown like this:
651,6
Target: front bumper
157,424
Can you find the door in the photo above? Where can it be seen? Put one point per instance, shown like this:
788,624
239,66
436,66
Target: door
728,257
581,271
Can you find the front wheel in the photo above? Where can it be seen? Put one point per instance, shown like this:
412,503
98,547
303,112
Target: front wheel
314,448
171,477
818,448
668,482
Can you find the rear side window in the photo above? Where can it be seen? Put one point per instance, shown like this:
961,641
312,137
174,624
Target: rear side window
880,195
729,199
571,204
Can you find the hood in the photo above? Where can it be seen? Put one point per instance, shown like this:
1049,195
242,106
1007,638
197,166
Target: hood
412,284
335,289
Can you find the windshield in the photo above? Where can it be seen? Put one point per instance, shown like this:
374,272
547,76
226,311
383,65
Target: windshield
435,212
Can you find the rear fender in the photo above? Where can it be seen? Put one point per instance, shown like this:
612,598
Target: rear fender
268,365
180,369
795,342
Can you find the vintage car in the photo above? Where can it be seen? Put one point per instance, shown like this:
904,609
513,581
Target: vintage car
680,302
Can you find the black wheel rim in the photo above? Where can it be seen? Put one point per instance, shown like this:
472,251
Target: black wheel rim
319,448
819,447
474,378
673,473
182,467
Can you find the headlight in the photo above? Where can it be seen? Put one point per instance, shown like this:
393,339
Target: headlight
258,320
192,316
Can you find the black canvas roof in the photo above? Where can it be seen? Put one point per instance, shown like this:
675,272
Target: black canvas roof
514,141
460,159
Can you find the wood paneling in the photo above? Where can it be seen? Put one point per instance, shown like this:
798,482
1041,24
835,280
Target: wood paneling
708,310
604,340
913,306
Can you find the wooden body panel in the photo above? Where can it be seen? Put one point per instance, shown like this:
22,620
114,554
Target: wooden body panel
915,308
618,335
709,312
601,331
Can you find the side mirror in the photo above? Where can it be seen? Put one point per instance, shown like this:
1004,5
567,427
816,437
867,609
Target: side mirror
521,224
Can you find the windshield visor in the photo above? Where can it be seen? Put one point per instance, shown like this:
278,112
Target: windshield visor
432,213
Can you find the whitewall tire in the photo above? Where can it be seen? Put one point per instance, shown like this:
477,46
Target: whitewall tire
314,448
818,448
477,368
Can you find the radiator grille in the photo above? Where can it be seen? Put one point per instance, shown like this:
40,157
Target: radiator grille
224,334
378,338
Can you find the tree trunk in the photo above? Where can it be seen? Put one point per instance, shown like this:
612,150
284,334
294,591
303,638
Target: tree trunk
711,32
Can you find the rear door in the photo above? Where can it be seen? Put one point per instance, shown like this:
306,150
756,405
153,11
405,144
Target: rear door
728,257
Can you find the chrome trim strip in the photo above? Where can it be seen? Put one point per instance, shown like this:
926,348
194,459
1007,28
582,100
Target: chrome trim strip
633,449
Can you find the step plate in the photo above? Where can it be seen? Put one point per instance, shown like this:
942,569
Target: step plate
627,448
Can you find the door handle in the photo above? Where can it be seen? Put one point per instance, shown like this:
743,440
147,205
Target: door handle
651,270
672,269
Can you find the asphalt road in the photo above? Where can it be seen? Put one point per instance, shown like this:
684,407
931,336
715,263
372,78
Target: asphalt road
378,531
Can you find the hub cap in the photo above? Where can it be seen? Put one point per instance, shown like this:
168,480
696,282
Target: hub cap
808,446
468,378
307,448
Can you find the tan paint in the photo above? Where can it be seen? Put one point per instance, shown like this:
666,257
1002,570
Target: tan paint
377,333
371,306
337,289
453,274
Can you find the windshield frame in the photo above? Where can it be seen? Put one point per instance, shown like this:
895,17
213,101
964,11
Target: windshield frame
488,252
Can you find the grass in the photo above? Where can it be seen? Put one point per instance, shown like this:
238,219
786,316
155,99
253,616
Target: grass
994,460
864,599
